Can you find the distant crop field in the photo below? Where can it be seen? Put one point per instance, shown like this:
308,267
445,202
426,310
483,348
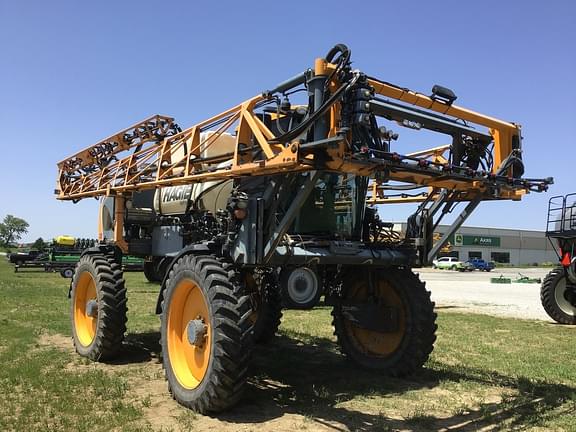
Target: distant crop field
486,373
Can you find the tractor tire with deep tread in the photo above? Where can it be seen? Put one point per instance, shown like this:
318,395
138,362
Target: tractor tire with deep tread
98,284
266,308
397,353
151,272
553,300
207,373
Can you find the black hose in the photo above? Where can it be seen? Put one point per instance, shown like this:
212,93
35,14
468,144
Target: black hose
339,48
343,60
321,111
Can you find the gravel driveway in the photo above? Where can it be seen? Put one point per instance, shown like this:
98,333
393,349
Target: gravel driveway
472,291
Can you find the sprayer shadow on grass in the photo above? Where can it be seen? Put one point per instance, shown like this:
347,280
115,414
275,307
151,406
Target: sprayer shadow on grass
139,348
305,375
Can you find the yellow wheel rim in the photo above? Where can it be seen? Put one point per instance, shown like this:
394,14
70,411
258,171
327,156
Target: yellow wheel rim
372,342
85,324
188,361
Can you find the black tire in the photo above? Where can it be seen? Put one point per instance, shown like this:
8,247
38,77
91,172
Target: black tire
266,303
295,298
110,298
151,272
554,301
453,268
228,339
411,344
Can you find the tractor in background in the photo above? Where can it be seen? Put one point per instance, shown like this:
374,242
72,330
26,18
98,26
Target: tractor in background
558,291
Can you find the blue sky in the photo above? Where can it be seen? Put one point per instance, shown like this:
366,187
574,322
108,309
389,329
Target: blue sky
72,73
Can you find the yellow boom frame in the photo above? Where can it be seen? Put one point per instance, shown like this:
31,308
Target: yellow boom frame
150,163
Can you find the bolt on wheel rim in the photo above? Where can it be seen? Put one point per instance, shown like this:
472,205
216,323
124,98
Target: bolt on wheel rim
188,334
85,320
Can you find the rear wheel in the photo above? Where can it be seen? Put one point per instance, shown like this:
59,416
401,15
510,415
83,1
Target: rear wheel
390,327
205,334
151,271
98,307
266,302
558,299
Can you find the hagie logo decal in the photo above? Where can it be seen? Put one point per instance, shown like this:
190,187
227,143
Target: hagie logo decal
176,193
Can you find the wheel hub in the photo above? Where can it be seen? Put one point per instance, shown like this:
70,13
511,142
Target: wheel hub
300,285
92,308
196,331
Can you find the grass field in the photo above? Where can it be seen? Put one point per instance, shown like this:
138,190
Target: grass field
485,374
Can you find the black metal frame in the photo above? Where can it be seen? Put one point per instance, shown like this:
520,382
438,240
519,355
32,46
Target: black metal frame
558,227
561,204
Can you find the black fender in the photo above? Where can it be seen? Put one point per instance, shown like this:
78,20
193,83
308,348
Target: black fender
195,249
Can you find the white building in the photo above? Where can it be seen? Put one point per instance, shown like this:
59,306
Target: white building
511,246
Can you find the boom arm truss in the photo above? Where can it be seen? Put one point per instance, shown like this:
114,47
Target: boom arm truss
156,154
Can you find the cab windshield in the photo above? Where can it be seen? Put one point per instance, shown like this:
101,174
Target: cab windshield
334,209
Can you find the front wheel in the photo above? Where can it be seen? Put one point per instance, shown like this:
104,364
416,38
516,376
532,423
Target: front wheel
98,307
385,320
205,334
151,271
558,300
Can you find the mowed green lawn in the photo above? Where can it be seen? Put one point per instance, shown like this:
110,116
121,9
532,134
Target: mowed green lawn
485,373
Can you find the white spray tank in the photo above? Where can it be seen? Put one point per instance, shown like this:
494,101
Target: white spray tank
211,196
176,200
